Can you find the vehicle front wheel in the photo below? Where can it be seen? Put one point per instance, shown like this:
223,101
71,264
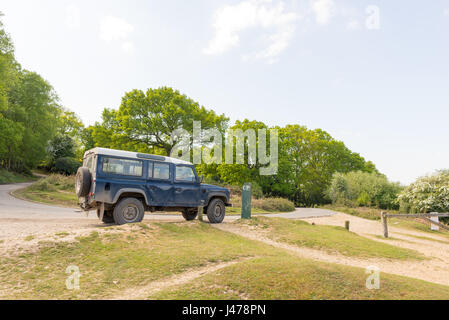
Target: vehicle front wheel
129,210
216,211
190,215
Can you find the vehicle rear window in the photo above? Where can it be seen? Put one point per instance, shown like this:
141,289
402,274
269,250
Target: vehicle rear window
90,163
123,166
185,174
161,171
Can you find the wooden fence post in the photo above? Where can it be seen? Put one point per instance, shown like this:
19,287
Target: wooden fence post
385,223
435,227
200,214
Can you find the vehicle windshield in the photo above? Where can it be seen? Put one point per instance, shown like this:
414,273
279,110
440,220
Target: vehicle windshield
186,174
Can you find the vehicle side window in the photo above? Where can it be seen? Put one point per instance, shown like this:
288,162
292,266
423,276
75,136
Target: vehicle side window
185,174
123,166
150,169
161,171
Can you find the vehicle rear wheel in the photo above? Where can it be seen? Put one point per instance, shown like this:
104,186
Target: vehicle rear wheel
190,214
128,210
216,211
82,182
107,216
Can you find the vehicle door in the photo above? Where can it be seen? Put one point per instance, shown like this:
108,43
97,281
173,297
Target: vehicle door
187,186
159,184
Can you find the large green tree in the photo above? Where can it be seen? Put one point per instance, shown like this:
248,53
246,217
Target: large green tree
148,119
307,161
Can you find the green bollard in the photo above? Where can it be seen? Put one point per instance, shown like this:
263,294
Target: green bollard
246,201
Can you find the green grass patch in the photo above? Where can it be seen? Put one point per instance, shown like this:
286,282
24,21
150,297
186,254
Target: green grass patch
289,278
329,238
29,238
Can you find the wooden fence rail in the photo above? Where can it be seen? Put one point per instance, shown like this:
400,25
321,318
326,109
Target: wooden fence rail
424,216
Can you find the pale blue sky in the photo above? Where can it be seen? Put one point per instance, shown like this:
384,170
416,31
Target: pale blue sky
383,88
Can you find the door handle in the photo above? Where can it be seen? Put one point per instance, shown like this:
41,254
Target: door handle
178,190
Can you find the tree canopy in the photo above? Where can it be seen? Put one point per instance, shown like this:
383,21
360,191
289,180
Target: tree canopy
146,120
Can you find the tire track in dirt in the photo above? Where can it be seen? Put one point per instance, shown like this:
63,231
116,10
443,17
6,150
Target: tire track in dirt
179,279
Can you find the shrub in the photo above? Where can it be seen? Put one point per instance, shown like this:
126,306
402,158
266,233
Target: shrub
274,204
256,190
428,194
67,166
364,189
55,182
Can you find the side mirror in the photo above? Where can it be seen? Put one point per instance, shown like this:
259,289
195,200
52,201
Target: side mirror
201,179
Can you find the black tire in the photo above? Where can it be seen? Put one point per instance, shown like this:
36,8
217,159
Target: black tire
216,211
190,214
107,216
83,182
128,210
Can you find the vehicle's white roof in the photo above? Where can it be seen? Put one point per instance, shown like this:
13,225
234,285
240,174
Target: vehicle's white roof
128,154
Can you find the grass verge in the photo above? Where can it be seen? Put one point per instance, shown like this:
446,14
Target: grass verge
13,177
290,278
55,189
328,238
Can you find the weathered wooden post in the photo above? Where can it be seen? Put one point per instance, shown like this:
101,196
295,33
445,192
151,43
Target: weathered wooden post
246,201
200,214
384,223
347,225
434,227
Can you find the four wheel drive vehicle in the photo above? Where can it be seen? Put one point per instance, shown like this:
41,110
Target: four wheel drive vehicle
122,185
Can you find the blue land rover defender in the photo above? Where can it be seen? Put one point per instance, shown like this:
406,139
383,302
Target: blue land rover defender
122,185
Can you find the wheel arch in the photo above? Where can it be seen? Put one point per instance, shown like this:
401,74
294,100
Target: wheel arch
131,193
216,195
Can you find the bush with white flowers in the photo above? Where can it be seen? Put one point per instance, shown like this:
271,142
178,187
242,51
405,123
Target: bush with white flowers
428,194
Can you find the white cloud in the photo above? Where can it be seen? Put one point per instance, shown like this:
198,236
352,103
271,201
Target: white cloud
231,20
324,11
446,12
114,29
73,19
